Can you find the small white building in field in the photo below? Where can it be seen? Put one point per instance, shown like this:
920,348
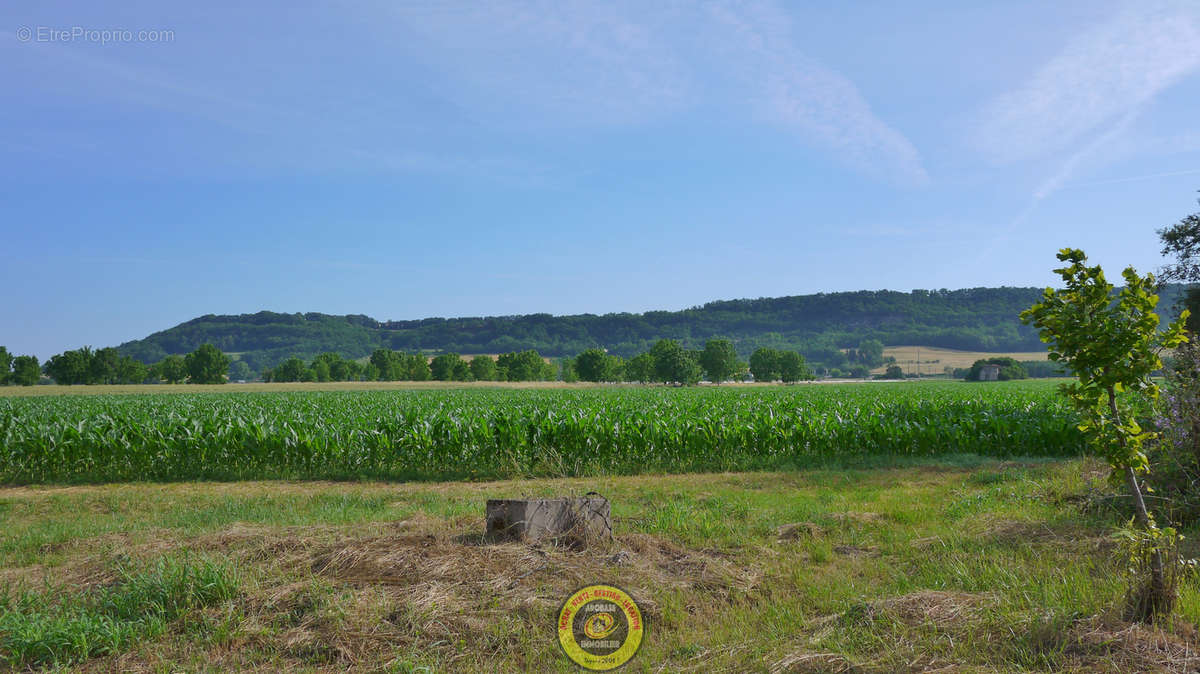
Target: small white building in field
989,372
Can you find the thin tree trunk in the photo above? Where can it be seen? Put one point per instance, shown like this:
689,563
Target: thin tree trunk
1139,504
1158,583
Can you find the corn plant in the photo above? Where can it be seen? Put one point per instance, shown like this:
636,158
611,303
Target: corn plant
481,433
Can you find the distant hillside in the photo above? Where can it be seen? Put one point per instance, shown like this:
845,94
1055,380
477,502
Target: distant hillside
974,319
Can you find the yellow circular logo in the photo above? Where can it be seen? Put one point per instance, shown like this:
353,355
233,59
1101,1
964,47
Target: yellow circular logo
600,627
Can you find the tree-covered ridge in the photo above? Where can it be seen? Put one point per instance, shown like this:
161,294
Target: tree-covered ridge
264,339
818,326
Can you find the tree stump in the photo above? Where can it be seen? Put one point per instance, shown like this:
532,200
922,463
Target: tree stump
575,521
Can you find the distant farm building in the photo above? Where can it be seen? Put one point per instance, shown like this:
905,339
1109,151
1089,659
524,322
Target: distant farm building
989,373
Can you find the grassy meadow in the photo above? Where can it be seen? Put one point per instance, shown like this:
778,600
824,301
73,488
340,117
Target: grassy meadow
961,565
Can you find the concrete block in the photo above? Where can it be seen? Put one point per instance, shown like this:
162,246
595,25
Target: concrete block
572,520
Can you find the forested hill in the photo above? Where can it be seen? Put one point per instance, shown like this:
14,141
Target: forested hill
983,319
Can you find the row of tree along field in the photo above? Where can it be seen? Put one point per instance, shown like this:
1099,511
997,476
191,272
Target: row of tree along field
205,365
666,362
388,365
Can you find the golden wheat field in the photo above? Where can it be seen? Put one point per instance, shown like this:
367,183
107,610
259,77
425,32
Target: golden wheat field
934,360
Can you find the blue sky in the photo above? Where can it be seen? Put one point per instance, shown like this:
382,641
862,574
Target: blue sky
410,159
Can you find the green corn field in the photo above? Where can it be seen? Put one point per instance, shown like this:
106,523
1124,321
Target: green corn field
494,433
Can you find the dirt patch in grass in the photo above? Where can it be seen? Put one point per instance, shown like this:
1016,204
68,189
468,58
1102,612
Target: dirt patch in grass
81,573
1017,532
447,561
1100,645
857,517
941,609
813,663
335,597
857,550
797,531
444,588
927,542
1095,644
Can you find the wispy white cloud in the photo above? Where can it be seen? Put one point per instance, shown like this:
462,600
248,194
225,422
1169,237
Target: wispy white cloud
540,66
1057,181
1088,151
1102,75
568,63
1135,179
575,62
821,104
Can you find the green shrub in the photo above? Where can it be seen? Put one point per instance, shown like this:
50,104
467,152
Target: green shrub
1009,369
1175,455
